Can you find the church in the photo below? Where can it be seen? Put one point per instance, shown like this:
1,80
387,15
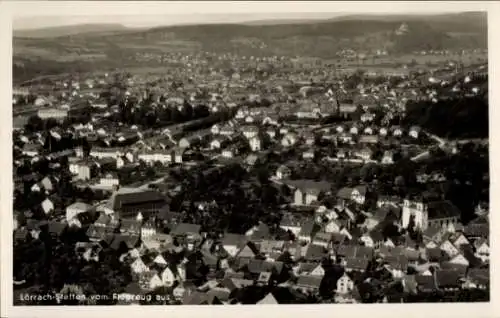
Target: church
425,214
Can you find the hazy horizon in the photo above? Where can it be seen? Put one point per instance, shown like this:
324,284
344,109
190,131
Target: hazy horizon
149,21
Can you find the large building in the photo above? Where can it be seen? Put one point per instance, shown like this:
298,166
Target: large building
424,214
128,202
55,113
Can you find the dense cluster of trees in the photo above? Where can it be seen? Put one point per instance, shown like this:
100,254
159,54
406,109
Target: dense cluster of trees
151,116
240,199
464,117
46,265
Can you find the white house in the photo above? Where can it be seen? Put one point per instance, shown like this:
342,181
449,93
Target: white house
232,243
345,284
138,266
160,260
168,277
283,172
289,140
255,143
482,250
459,259
250,131
397,131
388,157
414,132
449,248
318,271
332,227
155,282
215,130
47,206
75,209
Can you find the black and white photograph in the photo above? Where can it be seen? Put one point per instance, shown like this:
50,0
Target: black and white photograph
245,158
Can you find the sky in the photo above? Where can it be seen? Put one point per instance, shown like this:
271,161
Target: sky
41,14
138,21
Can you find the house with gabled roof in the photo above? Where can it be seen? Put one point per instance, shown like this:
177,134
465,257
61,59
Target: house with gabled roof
308,283
248,251
448,280
322,239
477,278
345,284
232,243
168,276
307,192
138,266
291,223
268,300
482,249
373,238
356,194
307,231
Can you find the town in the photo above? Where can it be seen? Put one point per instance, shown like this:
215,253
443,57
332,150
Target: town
235,179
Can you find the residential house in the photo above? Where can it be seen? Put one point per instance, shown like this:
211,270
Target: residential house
477,278
255,143
247,251
368,130
289,223
367,117
168,277
150,280
384,200
307,231
449,248
374,238
322,239
448,280
191,232
215,130
271,132
268,300
482,249
333,226
459,259
388,157
368,139
270,119
307,192
232,243
345,138
47,206
307,283
139,267
364,153
345,284
289,140
356,194
396,131
354,130
250,131
109,180
75,209
283,172
382,131
308,154
219,143
227,131
414,132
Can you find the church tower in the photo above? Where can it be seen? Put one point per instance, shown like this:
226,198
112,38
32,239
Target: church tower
417,211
